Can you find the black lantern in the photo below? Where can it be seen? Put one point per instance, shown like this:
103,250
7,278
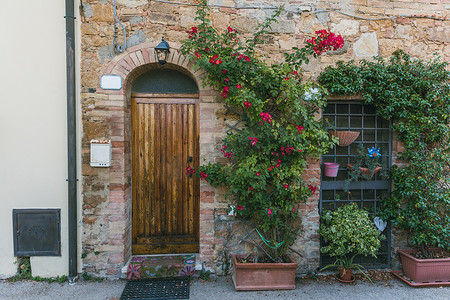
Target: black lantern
162,51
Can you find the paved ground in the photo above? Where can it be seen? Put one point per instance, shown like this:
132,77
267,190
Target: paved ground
222,288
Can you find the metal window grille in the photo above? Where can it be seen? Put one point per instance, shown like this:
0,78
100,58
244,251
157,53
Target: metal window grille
374,132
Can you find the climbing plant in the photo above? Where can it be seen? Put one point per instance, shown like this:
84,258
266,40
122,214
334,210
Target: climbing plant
414,93
268,155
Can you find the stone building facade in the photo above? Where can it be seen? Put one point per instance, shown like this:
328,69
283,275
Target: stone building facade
368,27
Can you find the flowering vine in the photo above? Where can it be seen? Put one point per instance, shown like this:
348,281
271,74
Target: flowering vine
280,133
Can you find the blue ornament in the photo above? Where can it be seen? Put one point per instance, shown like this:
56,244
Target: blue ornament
373,152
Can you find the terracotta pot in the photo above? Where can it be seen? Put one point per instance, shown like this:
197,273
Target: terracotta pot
263,276
424,270
365,171
345,137
345,274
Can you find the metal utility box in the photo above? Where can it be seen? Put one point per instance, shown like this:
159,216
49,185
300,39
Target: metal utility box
37,232
101,152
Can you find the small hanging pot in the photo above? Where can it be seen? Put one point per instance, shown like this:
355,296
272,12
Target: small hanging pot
331,169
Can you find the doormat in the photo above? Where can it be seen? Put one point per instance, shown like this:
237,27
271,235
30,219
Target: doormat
147,267
157,288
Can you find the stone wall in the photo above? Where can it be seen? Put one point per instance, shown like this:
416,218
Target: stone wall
368,27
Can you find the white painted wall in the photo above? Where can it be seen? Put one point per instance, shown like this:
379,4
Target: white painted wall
33,139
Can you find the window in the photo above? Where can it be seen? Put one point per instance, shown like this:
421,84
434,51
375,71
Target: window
374,132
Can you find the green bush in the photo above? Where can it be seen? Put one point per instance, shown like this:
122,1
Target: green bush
349,231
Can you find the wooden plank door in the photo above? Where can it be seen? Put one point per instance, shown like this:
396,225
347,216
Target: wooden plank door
165,140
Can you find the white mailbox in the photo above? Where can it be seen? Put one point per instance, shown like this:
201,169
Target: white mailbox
101,152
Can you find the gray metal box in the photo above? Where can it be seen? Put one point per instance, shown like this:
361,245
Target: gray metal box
37,232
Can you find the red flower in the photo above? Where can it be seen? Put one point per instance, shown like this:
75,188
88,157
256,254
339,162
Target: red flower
325,41
218,62
286,79
230,29
247,58
238,86
300,129
240,57
258,174
206,49
312,188
189,170
226,80
247,104
250,188
266,117
224,71
286,186
239,207
253,140
203,175
293,210
193,31
226,88
269,212
198,54
212,60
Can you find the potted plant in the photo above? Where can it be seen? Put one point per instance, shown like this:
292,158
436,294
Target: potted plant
267,156
420,204
348,232
366,165
420,199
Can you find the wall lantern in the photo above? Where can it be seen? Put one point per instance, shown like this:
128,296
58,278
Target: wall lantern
162,52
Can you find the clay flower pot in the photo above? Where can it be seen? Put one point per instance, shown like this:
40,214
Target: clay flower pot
365,171
425,270
345,275
345,137
263,276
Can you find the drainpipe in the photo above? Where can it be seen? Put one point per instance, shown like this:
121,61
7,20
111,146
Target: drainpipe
71,139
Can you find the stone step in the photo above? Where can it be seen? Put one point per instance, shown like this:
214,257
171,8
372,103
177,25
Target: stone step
166,265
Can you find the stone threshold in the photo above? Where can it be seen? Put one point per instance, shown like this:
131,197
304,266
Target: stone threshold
198,264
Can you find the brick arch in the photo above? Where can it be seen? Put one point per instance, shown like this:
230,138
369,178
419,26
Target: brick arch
140,58
114,107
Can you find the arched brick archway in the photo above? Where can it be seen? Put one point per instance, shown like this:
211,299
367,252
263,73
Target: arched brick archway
115,111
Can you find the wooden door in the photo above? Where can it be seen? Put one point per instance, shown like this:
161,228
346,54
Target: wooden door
165,140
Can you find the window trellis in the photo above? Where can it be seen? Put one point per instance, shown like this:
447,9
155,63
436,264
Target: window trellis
374,132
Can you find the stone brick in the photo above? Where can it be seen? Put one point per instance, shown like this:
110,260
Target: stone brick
345,27
107,212
102,13
366,46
